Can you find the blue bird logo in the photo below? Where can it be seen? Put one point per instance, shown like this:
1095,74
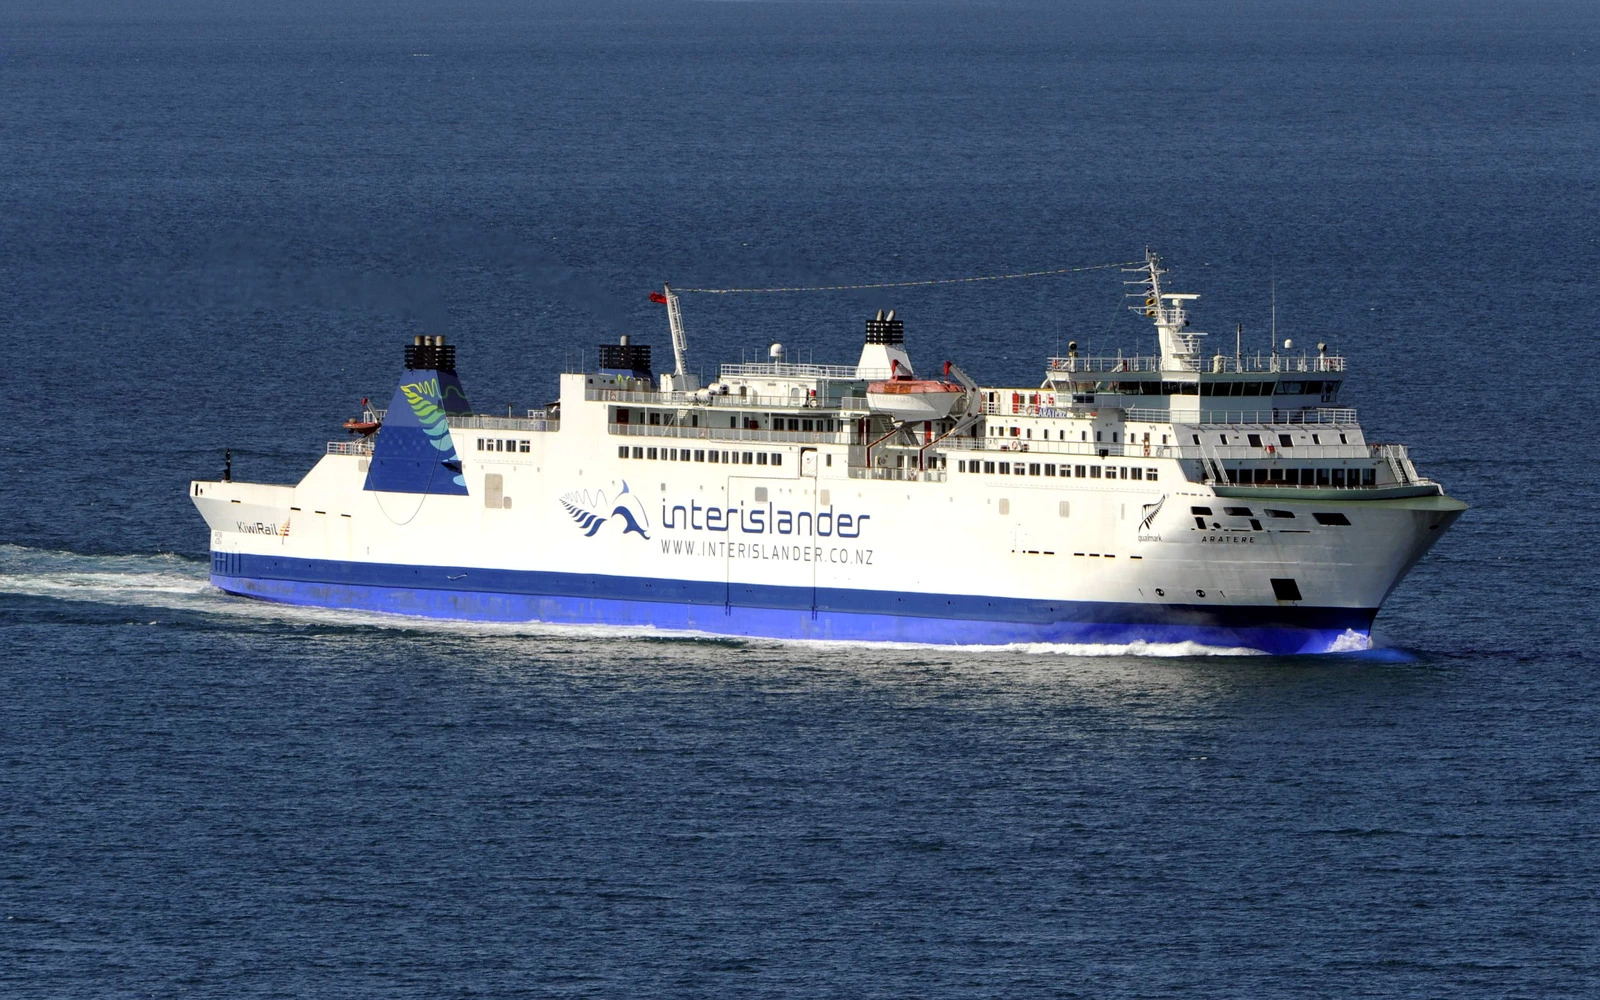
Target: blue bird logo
584,508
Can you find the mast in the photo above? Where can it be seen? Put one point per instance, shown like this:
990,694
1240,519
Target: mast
1180,349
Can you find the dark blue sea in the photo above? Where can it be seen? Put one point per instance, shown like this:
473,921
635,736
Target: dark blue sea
220,220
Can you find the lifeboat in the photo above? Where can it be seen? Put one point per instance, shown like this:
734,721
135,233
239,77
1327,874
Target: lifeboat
913,399
367,424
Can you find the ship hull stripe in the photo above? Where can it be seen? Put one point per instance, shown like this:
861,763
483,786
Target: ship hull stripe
772,611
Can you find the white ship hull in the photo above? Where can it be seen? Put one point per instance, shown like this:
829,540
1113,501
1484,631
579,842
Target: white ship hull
918,561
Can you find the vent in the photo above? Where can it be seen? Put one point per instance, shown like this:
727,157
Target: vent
430,354
886,329
625,357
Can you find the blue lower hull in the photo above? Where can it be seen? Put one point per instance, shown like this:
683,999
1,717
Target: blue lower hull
774,612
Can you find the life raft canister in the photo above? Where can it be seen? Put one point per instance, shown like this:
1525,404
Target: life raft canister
1016,401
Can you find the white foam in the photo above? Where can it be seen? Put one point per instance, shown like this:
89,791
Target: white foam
1350,641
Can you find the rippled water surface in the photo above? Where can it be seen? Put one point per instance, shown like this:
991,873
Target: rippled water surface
217,224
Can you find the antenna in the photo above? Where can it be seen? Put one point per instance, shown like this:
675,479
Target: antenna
1274,309
1238,346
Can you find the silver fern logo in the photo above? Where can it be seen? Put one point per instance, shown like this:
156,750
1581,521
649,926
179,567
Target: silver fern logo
586,509
1149,511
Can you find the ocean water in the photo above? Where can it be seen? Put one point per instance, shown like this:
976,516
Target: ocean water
218,223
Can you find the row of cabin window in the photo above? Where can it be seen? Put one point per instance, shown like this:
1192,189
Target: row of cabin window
1051,469
1207,388
702,455
998,431
1321,517
817,424
502,444
1284,440
1337,478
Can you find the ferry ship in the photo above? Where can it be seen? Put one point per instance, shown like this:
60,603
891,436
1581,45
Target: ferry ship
1189,495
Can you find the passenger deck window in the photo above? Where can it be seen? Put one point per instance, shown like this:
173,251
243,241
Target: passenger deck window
1237,511
1279,513
1331,518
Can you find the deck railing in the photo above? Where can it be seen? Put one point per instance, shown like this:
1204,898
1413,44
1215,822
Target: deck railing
1217,363
1341,415
481,422
685,400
